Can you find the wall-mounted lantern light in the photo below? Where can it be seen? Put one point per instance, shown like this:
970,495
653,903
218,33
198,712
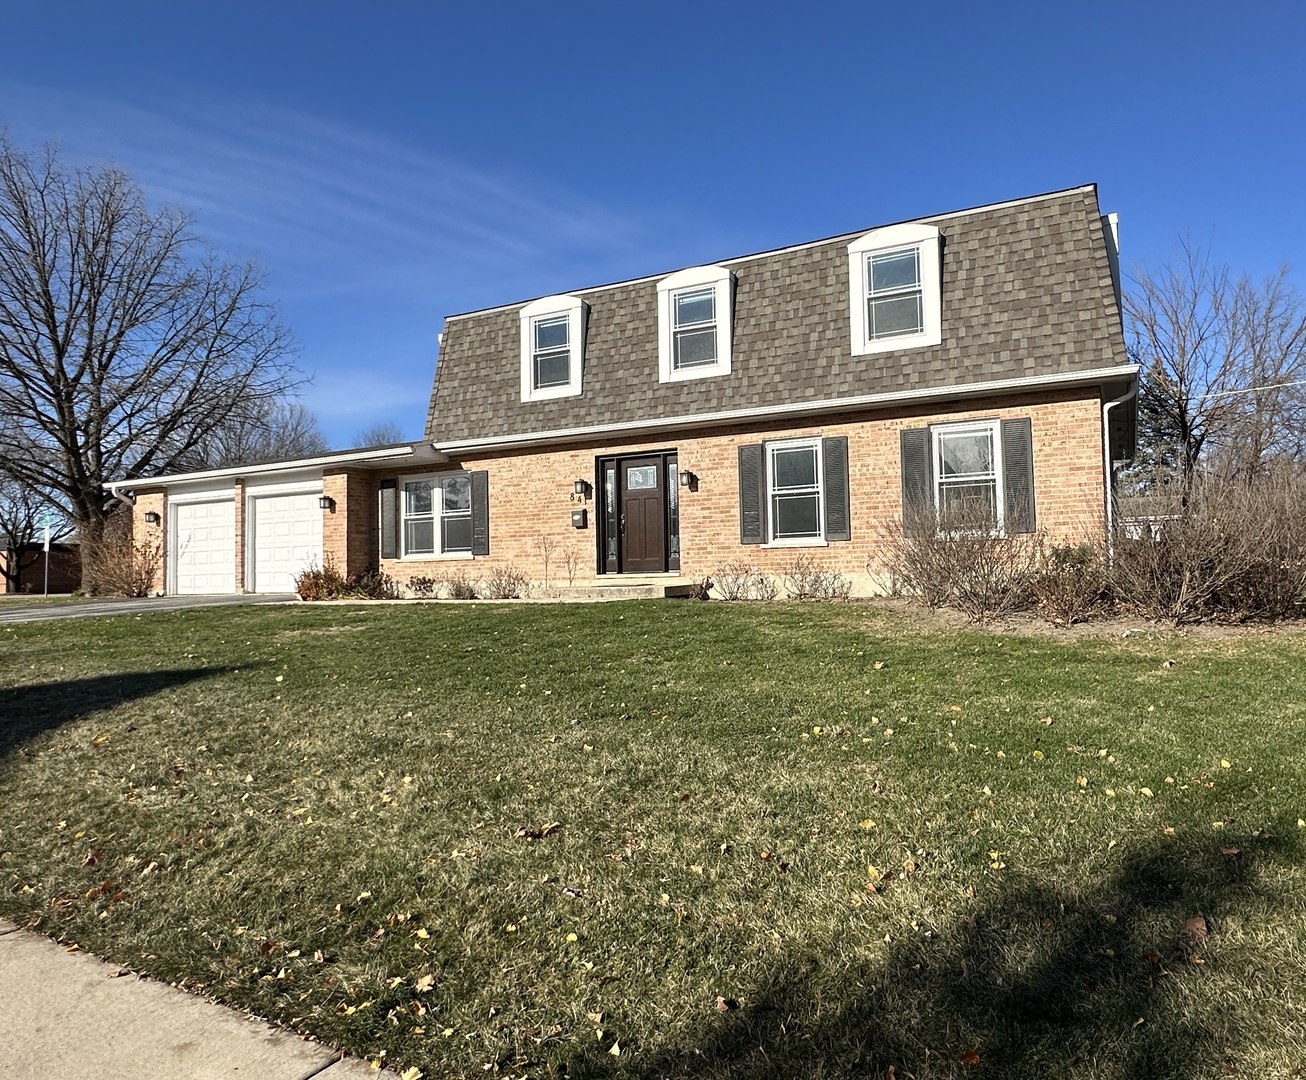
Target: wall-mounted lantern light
327,503
152,517
582,487
689,480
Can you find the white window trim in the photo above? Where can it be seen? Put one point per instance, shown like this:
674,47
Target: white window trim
722,282
971,427
925,238
437,512
574,308
768,450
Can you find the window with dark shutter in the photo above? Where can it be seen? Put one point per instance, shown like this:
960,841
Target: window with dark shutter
838,515
388,513
1018,475
480,512
917,483
752,495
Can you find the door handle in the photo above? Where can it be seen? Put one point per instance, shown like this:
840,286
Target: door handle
623,524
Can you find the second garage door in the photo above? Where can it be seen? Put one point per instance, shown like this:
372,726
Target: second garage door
285,538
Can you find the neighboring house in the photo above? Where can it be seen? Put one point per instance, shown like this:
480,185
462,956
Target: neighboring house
752,410
65,569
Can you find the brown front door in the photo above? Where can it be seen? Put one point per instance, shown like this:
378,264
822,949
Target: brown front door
642,524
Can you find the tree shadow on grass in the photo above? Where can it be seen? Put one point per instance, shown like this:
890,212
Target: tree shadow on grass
29,711
1035,980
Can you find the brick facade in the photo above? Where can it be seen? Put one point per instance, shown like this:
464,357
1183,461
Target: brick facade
531,492
153,534
349,532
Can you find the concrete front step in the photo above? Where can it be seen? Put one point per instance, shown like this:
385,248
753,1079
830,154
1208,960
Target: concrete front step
626,590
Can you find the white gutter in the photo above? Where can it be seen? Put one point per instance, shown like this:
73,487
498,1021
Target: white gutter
1108,480
798,408
414,451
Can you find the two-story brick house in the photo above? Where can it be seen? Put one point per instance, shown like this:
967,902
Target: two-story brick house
796,400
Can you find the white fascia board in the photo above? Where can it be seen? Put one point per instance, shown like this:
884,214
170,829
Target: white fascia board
416,452
1061,380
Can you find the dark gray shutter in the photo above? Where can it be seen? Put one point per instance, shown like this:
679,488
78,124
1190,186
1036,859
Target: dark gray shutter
388,512
752,495
917,482
480,512
1018,475
834,456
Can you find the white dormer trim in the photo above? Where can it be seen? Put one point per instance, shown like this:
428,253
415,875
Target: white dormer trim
699,278
573,308
925,241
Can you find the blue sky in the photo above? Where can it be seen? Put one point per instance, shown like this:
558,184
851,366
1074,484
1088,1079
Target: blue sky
392,163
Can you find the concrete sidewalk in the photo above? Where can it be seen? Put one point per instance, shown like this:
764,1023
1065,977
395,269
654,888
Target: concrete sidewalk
63,1015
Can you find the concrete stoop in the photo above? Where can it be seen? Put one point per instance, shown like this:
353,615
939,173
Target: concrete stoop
626,590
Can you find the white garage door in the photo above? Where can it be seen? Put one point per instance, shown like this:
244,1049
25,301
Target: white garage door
204,552
286,537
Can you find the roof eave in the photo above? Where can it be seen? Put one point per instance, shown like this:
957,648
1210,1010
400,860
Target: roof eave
526,440
375,457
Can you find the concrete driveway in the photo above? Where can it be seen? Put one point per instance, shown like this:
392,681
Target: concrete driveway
18,611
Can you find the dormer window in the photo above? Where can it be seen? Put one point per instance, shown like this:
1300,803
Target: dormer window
894,289
552,348
694,323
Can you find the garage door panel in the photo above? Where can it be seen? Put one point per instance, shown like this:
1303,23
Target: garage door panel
204,547
286,538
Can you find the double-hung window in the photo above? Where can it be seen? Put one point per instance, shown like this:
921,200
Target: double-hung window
893,294
694,314
794,491
970,475
552,347
966,470
437,515
550,352
694,323
894,289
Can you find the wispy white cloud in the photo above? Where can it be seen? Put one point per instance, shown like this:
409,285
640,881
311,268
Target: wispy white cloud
334,210
369,240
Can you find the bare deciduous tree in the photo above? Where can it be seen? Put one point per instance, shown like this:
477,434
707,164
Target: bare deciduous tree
274,432
123,341
1223,362
385,434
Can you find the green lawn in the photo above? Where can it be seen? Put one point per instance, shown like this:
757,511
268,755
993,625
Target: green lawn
675,838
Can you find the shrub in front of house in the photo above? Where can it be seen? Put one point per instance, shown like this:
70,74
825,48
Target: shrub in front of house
804,579
742,581
505,583
1227,549
959,559
1070,583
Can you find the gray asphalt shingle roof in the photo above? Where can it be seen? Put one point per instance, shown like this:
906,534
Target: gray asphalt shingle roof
1027,291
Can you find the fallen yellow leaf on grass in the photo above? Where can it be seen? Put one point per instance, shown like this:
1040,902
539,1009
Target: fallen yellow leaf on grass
1147,791
412,1074
1224,764
867,823
1038,755
616,1049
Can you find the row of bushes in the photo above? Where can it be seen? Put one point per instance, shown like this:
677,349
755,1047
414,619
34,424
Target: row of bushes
328,583
800,579
1219,551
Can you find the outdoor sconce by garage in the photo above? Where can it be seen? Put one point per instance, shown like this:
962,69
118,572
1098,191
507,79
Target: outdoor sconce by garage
689,480
152,517
327,503
582,487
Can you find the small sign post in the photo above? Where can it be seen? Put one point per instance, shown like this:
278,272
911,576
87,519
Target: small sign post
46,548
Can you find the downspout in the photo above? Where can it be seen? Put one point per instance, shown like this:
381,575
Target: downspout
1108,477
